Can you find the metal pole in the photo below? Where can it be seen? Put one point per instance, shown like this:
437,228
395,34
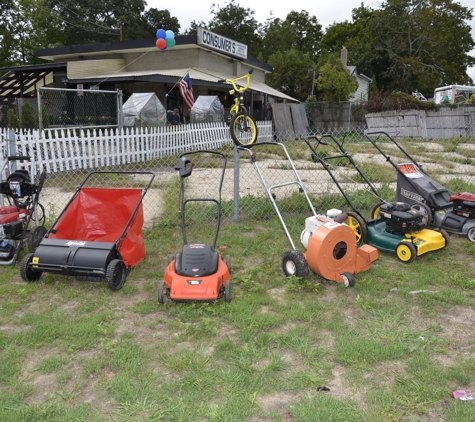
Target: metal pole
11,148
40,112
120,120
236,184
349,116
313,82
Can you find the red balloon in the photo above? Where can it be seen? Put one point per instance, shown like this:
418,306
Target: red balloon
161,43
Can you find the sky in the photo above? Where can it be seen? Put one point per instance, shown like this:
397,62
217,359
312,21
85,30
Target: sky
326,12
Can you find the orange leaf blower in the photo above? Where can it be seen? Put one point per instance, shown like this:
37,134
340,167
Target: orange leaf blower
332,250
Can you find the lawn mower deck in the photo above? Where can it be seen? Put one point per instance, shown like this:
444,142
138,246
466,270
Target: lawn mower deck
197,273
401,230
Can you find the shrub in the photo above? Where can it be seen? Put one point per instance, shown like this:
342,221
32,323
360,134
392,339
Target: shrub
13,120
45,117
28,120
397,100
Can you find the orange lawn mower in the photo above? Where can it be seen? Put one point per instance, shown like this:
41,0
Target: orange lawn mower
197,273
332,250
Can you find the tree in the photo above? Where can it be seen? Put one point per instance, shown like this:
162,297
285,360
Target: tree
293,73
356,36
36,28
6,33
45,117
194,25
334,82
18,33
8,44
299,31
235,22
157,19
90,21
408,45
291,46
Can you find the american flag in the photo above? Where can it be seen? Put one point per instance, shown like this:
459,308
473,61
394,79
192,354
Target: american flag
186,91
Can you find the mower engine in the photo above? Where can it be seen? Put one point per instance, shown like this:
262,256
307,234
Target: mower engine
400,218
12,220
464,204
313,223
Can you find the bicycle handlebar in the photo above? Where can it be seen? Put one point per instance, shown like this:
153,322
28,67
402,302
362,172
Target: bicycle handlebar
233,82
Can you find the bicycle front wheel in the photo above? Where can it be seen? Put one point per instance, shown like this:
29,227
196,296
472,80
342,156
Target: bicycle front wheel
243,130
234,109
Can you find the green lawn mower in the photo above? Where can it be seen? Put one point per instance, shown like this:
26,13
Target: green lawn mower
395,227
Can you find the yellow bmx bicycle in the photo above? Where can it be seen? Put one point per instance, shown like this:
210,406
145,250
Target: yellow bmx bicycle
243,127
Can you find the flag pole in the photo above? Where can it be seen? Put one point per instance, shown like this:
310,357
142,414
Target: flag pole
179,80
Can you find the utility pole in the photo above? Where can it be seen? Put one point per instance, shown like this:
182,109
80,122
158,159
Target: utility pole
313,82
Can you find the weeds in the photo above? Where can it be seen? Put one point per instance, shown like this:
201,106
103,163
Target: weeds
72,350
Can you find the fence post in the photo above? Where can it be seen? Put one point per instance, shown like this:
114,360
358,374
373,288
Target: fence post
236,184
40,112
120,120
11,148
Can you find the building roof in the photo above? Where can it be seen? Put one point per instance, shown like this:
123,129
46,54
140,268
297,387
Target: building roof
132,46
354,72
198,77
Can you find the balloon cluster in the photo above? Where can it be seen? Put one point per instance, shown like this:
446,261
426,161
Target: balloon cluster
165,39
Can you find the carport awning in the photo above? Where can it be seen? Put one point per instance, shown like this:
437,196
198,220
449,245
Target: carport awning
197,75
23,80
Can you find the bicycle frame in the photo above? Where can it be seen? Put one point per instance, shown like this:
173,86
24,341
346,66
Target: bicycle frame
238,92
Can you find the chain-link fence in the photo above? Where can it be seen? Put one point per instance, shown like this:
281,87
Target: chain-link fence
450,162
71,108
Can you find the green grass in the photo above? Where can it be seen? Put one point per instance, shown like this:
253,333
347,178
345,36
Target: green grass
72,350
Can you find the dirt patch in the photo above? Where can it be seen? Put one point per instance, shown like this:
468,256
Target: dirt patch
278,403
278,294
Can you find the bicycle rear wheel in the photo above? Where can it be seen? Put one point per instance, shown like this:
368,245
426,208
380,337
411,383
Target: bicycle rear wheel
243,130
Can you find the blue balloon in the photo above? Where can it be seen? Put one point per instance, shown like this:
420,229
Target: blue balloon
161,33
170,34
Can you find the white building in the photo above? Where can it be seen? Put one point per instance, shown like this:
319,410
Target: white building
361,93
139,66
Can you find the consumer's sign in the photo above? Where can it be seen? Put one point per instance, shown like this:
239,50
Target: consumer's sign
219,43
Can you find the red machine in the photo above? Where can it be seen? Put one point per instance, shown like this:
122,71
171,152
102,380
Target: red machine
452,213
22,194
464,204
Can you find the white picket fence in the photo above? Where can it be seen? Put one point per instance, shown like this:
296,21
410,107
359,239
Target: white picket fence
61,150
